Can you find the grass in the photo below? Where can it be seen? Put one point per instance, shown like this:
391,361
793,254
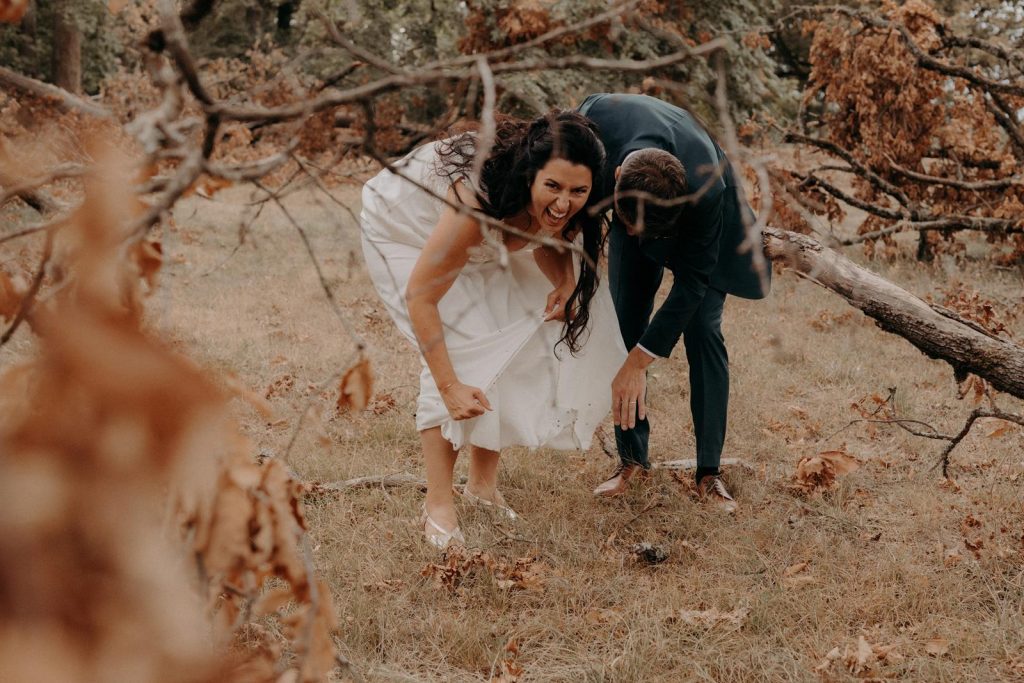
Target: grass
887,552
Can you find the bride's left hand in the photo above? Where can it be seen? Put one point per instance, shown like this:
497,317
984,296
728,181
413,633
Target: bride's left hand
555,308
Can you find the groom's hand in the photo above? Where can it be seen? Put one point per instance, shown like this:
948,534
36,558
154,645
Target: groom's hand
629,389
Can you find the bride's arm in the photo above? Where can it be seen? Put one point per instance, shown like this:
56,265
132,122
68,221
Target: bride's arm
439,264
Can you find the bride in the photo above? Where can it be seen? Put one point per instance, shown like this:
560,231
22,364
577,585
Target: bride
519,342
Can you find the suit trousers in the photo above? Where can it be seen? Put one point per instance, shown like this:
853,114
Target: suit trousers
634,281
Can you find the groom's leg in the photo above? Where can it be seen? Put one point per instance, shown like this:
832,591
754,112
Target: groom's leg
709,380
634,280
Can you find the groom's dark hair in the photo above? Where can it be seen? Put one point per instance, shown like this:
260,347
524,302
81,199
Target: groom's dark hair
649,191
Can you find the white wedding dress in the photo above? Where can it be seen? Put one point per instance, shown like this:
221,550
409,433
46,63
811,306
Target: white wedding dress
493,325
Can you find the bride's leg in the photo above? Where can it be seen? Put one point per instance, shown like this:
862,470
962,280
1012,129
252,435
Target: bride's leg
439,458
483,474
482,485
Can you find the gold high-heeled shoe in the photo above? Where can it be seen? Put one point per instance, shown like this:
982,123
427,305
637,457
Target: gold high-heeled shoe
443,537
503,510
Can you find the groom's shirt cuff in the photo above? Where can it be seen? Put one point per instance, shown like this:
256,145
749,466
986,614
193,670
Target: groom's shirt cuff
649,353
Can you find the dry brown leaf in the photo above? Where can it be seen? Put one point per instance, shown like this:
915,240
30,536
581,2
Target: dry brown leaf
596,617
1001,430
831,656
356,387
800,581
228,543
860,660
818,473
459,563
11,11
239,390
937,647
272,601
794,569
149,257
207,187
10,297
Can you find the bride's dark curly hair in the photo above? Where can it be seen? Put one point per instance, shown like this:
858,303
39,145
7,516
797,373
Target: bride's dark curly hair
520,149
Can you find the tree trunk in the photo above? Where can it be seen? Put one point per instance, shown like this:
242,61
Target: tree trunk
67,49
937,332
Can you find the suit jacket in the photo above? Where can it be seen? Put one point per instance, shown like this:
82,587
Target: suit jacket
705,251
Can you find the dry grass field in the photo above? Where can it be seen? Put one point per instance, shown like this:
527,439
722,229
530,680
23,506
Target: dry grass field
895,574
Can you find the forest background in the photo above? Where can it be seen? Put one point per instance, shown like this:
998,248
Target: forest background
208,468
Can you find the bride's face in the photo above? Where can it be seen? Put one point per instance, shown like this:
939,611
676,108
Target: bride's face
559,191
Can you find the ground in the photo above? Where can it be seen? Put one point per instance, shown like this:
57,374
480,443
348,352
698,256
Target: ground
895,574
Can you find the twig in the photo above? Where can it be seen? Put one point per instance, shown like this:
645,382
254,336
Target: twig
331,99
27,301
349,329
847,156
363,54
371,481
975,415
691,464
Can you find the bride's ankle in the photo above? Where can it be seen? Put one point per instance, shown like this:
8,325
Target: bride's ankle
482,490
442,512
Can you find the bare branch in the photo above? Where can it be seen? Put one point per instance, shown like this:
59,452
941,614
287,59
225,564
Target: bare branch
27,188
365,55
976,186
29,298
847,156
752,242
329,99
65,100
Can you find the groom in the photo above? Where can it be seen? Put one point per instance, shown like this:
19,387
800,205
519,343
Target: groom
656,149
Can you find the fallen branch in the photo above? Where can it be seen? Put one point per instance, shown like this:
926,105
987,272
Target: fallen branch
691,464
65,100
371,482
967,350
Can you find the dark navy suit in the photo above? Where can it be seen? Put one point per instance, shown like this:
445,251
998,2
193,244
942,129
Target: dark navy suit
702,256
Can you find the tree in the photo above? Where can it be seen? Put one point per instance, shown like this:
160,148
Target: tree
922,119
67,48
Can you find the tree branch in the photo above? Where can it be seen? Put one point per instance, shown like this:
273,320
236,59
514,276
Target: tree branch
65,100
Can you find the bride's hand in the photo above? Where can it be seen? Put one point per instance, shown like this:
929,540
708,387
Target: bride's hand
464,401
555,308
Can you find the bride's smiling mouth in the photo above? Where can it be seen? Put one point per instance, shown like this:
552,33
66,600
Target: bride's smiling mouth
554,216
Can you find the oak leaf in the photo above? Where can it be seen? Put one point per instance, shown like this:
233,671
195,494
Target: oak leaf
818,473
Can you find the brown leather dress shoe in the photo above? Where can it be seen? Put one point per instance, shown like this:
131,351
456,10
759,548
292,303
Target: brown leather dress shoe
617,484
711,489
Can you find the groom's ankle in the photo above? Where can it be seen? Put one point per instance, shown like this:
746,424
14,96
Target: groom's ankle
704,472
